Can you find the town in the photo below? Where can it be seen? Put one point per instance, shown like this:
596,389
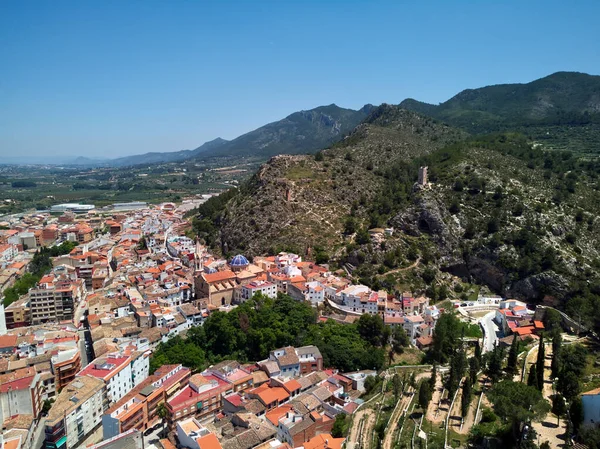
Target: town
90,295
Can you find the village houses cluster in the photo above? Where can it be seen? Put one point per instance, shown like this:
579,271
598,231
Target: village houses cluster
75,349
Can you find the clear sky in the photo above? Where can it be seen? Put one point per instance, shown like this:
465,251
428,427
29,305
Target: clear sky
111,78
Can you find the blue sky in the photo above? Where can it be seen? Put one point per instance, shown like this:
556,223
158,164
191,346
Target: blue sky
111,78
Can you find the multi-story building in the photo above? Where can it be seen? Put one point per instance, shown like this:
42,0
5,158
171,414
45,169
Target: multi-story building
231,371
75,413
65,366
310,359
20,393
201,399
217,287
54,299
263,287
139,408
18,314
119,372
359,299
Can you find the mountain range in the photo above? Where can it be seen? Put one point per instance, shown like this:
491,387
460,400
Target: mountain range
300,132
561,111
504,211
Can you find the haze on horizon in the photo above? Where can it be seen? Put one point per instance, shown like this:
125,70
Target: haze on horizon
111,79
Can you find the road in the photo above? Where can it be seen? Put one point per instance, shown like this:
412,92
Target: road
490,331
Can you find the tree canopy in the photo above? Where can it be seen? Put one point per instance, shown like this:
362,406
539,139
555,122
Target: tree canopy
249,332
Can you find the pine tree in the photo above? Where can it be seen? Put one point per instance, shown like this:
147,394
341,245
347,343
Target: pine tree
540,364
532,377
466,397
556,347
433,378
473,369
511,363
478,351
424,395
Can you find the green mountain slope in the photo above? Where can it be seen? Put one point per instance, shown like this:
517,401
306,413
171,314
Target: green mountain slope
562,110
300,132
499,212
323,189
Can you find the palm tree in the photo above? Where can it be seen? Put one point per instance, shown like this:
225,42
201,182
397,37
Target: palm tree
162,413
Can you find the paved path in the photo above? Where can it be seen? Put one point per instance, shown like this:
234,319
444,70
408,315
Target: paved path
490,332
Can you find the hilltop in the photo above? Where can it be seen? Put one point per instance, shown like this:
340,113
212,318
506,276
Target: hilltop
301,201
561,110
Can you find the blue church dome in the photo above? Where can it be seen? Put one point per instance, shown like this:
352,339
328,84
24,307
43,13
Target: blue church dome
239,261
210,270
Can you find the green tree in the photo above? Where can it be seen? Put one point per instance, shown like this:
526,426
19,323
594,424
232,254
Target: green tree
576,413
478,351
494,369
559,406
473,369
433,378
518,403
552,319
372,329
532,378
466,397
556,347
568,385
397,386
513,353
541,364
400,340
424,395
163,412
340,426
446,337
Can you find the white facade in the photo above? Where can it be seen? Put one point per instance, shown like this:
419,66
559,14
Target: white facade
266,288
83,419
140,368
315,293
359,299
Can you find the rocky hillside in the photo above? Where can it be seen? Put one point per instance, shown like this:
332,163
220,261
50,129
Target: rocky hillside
299,202
499,211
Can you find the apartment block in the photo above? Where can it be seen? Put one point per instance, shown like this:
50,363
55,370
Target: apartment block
139,408
75,413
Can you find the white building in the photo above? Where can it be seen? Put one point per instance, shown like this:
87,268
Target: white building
193,435
263,287
358,299
315,293
119,372
77,411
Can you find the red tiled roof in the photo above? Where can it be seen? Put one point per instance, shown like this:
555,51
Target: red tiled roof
8,341
218,276
523,330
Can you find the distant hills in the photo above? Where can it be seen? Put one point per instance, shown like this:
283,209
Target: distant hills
300,132
561,110
174,156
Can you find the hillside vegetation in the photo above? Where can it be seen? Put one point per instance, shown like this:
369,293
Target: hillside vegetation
561,110
501,211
